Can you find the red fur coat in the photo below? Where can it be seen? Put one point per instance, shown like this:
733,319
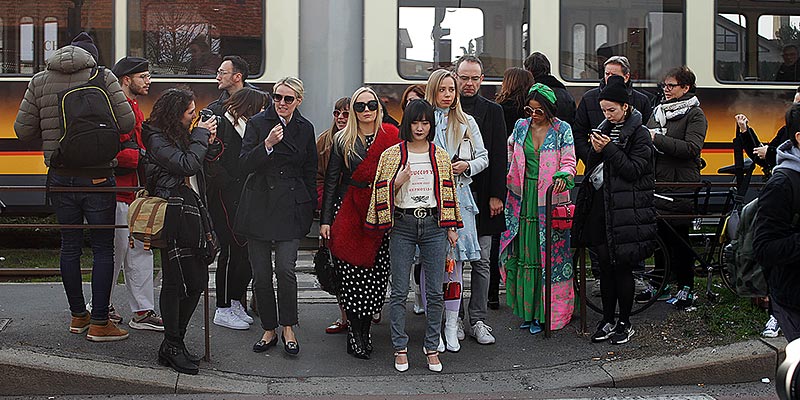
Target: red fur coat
350,240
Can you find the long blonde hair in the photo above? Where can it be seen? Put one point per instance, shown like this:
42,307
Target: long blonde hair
456,116
346,138
327,136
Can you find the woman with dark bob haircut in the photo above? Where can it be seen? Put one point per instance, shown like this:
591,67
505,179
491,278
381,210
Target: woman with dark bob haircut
414,196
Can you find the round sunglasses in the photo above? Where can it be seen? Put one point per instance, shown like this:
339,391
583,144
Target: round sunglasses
360,106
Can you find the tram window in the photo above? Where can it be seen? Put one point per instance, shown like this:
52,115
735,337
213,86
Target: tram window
757,41
190,37
434,33
649,32
31,33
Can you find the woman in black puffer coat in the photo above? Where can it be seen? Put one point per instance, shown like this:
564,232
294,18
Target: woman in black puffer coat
615,214
174,167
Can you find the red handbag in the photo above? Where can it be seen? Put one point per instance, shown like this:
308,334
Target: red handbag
563,211
452,289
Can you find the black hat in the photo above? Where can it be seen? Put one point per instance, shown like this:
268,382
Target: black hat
84,41
129,66
615,90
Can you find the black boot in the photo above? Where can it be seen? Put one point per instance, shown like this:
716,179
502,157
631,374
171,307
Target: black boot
355,341
366,338
194,358
352,328
173,355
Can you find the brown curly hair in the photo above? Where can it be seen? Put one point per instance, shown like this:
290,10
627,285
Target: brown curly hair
168,111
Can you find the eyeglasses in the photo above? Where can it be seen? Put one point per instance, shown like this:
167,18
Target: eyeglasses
222,72
286,99
534,111
144,77
474,79
344,114
669,86
360,106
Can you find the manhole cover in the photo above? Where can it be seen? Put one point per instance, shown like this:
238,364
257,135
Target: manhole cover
4,323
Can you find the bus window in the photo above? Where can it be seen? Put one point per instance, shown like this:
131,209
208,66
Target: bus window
757,41
649,32
190,37
30,34
434,33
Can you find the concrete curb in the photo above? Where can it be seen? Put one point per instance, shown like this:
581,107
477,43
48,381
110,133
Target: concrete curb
32,372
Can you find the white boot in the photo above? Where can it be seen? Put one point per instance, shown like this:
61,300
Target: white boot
451,330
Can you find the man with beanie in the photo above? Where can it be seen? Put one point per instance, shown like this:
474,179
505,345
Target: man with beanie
134,78
539,66
39,119
489,187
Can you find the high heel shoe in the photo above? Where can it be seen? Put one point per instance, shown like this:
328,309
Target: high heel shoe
262,345
428,355
401,367
291,347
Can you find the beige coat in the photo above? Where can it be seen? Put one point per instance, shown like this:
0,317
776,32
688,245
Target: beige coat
68,67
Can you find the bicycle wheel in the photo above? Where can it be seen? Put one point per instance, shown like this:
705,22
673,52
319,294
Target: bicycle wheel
724,272
654,275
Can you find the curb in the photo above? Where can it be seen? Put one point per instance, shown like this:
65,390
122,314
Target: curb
34,373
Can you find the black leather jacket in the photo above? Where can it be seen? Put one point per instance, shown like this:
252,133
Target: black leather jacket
338,177
168,164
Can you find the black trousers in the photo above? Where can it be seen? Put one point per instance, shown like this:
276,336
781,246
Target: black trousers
617,286
233,272
681,259
176,311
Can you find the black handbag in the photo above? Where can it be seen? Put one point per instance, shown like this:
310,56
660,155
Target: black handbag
326,271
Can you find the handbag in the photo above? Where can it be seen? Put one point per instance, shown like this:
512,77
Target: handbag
325,270
465,151
146,216
451,289
566,210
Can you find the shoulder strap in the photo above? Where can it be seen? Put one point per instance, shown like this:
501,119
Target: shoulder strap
97,77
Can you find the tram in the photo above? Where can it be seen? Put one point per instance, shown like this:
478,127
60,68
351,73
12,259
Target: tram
735,47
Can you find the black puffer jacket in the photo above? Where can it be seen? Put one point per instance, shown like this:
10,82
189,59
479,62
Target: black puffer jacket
588,116
565,103
628,191
168,164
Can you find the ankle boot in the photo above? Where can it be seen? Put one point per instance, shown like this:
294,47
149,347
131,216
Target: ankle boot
353,328
173,355
451,330
355,341
366,338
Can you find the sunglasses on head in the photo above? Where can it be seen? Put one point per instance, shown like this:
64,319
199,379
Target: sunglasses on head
344,114
286,99
360,106
534,111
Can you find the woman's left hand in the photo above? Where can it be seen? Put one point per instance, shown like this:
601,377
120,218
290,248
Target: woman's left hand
459,167
559,185
599,142
211,125
452,237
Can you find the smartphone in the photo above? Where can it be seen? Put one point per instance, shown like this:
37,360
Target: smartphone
596,132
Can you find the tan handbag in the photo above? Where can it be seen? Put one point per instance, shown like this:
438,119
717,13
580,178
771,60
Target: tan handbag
146,220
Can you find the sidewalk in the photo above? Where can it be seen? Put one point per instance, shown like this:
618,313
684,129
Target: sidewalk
40,356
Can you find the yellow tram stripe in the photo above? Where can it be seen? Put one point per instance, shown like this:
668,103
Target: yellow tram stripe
22,163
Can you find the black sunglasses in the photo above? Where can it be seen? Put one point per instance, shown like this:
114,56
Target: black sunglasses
278,98
360,106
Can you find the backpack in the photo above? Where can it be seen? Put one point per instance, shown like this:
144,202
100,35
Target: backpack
749,278
89,129
146,216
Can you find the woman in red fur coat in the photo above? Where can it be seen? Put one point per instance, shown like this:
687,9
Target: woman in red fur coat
361,256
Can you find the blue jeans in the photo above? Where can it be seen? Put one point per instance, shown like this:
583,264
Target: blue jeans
407,233
97,209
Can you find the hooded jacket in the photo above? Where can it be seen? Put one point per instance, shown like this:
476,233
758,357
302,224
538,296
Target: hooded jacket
777,235
38,116
628,191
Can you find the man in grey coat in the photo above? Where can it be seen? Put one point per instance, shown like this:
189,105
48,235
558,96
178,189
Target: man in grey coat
39,119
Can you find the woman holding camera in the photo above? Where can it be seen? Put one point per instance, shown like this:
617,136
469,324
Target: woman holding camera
174,167
414,196
225,182
361,257
278,200
541,153
614,213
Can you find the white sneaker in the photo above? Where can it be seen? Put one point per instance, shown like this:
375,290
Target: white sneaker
771,329
460,330
480,332
226,318
238,309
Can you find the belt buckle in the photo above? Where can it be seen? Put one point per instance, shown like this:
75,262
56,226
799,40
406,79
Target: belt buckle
420,212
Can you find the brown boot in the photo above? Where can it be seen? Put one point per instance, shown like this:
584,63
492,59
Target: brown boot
109,332
80,324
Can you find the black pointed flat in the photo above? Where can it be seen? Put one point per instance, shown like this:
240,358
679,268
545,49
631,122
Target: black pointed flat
262,345
291,347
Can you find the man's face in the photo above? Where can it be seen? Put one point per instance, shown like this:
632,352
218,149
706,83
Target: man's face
614,69
790,56
226,78
470,77
139,83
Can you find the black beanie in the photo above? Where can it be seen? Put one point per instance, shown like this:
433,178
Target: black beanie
615,90
84,41
130,66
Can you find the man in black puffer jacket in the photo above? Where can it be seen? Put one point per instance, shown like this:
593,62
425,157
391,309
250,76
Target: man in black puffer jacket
777,237
539,66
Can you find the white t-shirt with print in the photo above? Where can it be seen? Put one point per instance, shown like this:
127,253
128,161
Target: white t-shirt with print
418,191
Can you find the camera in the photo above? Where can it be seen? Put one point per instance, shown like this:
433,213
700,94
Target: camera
206,114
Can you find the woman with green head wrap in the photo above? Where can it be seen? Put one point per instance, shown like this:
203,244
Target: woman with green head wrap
541,153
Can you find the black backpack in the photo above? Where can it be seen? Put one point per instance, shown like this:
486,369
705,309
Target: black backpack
89,129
